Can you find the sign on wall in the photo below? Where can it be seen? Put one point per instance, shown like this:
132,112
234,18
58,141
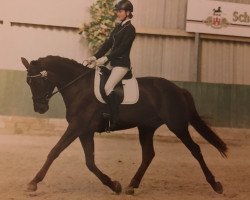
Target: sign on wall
217,17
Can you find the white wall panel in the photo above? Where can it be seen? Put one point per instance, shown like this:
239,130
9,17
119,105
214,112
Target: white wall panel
242,64
175,14
217,62
33,43
55,12
177,57
146,56
149,13
225,62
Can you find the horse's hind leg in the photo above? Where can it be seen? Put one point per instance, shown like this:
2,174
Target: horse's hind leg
185,137
87,141
146,140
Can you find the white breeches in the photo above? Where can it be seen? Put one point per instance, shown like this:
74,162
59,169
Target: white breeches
116,75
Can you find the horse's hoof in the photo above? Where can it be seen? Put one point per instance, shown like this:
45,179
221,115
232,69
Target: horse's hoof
117,187
218,187
31,187
129,190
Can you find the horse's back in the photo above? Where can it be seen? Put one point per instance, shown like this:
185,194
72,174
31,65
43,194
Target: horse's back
158,83
167,98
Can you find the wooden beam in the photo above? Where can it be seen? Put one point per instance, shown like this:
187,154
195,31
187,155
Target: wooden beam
225,38
164,32
44,26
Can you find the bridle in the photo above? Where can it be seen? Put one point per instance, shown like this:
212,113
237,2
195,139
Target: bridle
46,97
43,73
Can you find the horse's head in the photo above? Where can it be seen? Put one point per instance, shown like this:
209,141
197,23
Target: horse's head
41,86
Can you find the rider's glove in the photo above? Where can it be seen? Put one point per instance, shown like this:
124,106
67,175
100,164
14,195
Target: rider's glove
91,59
101,61
90,62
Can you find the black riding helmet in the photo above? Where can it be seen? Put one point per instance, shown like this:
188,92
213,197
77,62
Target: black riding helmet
124,5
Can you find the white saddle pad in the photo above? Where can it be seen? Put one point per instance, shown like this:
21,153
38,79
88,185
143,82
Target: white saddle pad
130,86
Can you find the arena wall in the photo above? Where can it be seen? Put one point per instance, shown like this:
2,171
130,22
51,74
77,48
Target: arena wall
217,71
223,105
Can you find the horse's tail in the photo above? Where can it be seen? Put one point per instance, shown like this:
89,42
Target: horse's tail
202,128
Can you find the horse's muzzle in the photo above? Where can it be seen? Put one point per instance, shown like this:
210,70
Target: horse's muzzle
41,108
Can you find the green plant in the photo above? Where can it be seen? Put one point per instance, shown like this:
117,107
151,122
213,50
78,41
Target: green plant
103,21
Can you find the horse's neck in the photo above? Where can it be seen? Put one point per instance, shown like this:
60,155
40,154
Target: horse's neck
66,74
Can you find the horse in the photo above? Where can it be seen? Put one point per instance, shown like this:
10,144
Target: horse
218,10
161,102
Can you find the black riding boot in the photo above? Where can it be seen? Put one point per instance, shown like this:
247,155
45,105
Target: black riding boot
113,105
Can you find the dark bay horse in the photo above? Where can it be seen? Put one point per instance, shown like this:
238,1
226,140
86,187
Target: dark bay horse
160,102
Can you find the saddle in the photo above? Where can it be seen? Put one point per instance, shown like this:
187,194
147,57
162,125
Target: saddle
127,90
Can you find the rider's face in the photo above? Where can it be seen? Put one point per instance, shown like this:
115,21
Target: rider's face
121,15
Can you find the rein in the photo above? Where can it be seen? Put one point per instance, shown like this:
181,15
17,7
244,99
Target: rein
69,84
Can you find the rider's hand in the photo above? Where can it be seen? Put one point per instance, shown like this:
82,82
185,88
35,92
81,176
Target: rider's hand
90,62
92,65
101,61
91,59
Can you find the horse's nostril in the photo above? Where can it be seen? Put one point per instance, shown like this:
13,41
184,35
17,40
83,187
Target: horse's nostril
41,108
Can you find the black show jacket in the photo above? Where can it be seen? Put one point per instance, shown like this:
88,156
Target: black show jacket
120,42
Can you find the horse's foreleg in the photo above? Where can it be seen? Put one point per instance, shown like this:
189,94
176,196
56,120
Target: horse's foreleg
146,140
87,141
69,136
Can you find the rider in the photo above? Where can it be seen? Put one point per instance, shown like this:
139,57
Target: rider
120,42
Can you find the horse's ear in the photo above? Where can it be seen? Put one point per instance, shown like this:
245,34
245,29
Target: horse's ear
25,63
